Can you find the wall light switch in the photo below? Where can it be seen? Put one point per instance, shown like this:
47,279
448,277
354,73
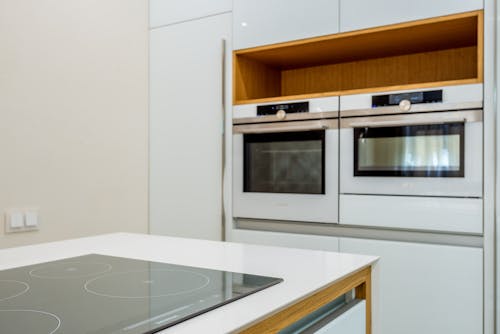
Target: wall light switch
15,219
31,219
22,220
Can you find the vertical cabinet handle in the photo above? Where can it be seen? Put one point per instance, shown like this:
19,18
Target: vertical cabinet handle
223,140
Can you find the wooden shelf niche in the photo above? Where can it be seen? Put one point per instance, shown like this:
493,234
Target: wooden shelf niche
446,50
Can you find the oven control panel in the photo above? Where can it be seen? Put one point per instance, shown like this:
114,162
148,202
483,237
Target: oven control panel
413,97
289,108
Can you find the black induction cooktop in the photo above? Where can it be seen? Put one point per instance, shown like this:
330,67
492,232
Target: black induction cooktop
97,294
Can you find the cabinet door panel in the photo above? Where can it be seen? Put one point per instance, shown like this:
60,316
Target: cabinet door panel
421,288
164,12
360,14
186,126
261,22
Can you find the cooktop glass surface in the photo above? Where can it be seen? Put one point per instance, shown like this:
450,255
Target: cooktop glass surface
97,294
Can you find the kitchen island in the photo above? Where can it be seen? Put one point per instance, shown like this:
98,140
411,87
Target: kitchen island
311,279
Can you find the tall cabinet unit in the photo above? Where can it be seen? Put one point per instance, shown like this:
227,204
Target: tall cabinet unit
188,64
426,286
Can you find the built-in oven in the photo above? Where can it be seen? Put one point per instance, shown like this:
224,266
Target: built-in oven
414,160
438,154
285,165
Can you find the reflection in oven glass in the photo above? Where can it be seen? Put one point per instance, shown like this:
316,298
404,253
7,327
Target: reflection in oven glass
420,150
416,153
285,163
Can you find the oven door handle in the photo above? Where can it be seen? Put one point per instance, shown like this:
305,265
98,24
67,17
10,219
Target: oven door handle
408,120
223,141
381,124
286,127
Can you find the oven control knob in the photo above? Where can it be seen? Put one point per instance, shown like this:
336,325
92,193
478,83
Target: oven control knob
281,114
405,105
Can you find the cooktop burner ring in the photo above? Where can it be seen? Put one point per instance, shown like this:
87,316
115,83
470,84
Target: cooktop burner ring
55,317
25,285
87,286
70,267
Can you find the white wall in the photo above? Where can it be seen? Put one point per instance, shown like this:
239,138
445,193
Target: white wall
73,116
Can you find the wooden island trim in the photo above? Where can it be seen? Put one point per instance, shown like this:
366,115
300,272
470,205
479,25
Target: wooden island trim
360,281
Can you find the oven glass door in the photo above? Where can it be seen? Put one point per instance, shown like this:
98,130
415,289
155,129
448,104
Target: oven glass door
288,162
432,150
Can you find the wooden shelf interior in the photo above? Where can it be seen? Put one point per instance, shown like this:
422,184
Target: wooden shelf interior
438,50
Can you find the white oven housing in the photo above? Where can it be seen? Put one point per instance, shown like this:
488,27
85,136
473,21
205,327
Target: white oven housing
448,204
321,208
316,106
468,186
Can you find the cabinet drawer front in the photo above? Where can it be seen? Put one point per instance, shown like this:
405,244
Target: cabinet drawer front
463,215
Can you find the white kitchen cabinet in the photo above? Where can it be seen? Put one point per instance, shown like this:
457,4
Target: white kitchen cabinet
423,288
186,126
261,22
360,14
165,12
292,240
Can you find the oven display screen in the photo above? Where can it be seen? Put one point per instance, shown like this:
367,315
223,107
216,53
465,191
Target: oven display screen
290,162
435,150
412,97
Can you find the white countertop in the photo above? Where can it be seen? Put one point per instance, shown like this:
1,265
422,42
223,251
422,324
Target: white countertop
303,271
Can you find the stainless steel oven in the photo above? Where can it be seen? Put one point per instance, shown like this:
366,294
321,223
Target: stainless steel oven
286,169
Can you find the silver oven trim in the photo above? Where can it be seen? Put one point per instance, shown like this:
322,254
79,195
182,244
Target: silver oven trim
415,108
289,117
413,119
322,124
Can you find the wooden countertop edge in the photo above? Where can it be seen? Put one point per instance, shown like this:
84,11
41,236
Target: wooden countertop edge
359,280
